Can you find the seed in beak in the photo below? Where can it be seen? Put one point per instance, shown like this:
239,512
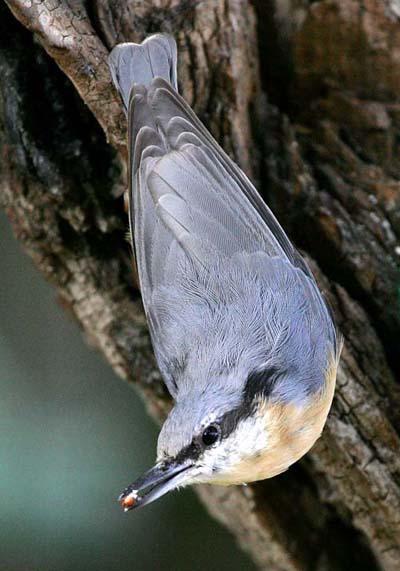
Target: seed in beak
128,501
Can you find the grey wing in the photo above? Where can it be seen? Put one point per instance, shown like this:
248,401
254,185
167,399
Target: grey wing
190,206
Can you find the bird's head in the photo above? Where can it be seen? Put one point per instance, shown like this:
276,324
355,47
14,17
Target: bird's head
221,437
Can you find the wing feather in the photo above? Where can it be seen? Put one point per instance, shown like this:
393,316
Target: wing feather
177,118
215,266
193,210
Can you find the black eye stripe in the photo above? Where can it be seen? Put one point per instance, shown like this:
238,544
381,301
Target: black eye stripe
259,383
190,452
194,450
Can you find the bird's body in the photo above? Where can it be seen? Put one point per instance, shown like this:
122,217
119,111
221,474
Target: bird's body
241,333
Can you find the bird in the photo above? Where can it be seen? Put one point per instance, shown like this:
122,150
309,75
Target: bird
244,339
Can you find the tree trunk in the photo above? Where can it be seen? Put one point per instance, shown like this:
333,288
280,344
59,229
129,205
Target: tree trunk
305,97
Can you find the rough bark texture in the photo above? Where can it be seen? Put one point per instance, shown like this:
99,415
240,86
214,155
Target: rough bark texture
305,96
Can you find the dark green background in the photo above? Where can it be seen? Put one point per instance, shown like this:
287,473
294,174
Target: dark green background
72,435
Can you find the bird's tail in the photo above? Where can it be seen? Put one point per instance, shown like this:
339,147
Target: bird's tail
138,64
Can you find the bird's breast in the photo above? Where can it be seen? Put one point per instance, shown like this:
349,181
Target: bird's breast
285,432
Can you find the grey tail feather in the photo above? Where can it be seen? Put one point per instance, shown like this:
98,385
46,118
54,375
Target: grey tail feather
139,64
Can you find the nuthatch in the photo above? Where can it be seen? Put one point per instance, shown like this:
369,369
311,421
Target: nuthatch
243,338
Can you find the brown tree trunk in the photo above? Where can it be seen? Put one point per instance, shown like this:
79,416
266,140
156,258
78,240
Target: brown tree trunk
305,96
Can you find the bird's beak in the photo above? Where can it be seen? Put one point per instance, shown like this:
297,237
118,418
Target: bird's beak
159,480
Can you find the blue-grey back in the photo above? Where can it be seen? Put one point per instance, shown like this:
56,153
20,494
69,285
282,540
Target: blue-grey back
248,313
222,285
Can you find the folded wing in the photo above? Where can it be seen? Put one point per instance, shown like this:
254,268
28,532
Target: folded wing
191,205
192,210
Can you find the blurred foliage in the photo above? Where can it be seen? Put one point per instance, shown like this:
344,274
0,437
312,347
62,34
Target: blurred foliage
72,436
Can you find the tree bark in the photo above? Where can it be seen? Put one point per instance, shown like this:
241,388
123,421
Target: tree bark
305,97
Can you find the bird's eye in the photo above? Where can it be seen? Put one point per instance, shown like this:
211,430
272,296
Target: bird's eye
211,434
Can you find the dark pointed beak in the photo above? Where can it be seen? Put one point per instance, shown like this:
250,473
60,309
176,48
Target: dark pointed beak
159,480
